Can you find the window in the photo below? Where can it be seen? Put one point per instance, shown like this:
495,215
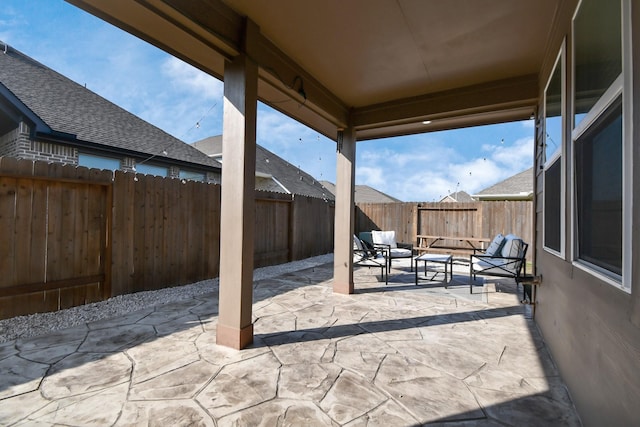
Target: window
599,192
553,220
553,237
191,175
98,162
602,140
146,169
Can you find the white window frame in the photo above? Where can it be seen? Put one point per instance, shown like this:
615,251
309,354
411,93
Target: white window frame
622,86
558,154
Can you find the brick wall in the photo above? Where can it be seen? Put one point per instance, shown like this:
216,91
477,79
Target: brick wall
15,141
50,152
18,144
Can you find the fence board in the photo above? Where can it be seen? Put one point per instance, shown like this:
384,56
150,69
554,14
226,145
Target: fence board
123,226
38,231
173,243
182,232
23,214
7,225
211,232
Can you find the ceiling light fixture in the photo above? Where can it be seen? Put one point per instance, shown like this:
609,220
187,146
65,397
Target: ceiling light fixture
426,122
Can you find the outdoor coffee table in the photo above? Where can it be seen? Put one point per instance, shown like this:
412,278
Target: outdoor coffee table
446,260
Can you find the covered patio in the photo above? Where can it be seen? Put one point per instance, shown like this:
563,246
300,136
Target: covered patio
351,71
360,70
397,355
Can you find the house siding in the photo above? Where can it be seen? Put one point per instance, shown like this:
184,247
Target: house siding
591,327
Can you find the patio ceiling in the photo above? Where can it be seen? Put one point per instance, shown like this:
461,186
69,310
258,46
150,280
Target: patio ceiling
384,66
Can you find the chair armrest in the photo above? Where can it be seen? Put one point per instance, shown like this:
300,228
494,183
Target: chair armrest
381,246
385,249
405,246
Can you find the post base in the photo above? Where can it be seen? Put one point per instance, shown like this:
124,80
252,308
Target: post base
233,337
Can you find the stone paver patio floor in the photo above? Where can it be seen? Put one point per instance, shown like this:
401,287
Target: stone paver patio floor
400,355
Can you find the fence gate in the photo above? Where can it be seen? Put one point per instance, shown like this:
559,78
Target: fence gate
54,246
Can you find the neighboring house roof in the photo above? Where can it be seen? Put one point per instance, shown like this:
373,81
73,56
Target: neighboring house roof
458,196
517,187
364,194
65,111
273,173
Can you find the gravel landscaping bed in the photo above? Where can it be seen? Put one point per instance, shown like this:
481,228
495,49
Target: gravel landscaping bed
42,323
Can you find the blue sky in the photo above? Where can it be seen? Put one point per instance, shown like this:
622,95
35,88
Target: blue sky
187,103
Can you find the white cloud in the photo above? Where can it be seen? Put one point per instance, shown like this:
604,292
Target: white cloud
516,156
188,78
528,124
10,23
372,176
423,168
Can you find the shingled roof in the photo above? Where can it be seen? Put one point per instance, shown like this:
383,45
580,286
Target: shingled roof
279,175
517,187
459,197
365,194
66,111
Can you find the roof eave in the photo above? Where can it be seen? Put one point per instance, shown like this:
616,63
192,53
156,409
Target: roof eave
518,196
68,139
39,124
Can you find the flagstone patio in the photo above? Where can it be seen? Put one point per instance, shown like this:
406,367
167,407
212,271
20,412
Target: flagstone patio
396,355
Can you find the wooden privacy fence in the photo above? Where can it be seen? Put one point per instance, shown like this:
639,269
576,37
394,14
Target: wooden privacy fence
70,235
480,220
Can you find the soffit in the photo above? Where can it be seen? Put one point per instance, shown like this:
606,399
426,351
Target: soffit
373,51
381,65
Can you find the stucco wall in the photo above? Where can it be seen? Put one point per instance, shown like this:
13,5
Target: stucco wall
591,327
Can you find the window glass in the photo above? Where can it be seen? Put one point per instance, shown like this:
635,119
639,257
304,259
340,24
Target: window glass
553,206
146,169
597,53
98,162
191,175
553,113
599,191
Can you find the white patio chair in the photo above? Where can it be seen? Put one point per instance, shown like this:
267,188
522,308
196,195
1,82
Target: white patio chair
395,250
504,257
